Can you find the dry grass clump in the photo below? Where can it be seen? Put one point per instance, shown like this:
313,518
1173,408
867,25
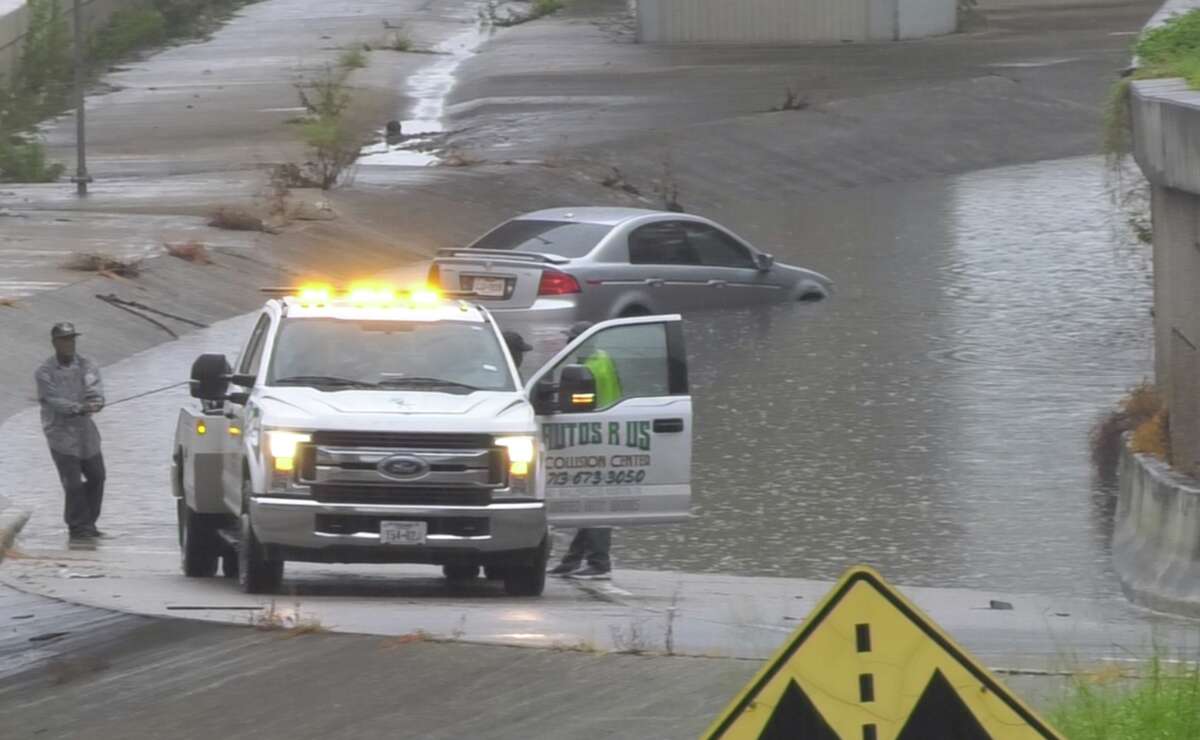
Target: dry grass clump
1139,408
1153,436
8,302
232,218
103,264
274,619
194,252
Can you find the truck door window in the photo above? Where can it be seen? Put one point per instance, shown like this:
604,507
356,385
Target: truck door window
252,356
626,361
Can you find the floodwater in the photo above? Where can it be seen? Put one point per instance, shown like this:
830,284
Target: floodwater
932,419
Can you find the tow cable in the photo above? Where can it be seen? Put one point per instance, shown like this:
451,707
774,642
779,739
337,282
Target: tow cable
148,393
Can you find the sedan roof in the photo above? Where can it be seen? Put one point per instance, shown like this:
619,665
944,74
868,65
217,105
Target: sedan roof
602,215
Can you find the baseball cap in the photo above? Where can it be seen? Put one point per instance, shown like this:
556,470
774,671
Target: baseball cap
63,329
516,342
579,327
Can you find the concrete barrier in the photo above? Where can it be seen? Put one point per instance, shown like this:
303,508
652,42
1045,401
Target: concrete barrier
1156,539
1156,535
1166,144
792,21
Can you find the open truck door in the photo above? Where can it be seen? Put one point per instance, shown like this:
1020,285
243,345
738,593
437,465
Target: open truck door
615,421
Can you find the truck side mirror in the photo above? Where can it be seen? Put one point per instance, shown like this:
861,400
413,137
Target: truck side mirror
576,390
545,396
210,378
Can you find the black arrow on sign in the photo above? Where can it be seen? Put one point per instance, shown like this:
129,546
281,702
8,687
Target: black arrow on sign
941,712
796,718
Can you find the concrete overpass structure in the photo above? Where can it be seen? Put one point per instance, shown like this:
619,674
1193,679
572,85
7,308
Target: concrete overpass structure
792,21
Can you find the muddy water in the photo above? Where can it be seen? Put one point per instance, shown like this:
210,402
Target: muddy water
932,419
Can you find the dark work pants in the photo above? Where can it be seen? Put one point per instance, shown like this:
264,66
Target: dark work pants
83,484
592,544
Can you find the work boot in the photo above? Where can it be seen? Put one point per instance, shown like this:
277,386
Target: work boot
81,541
591,573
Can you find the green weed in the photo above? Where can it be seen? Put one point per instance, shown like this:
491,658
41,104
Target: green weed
1171,50
352,58
23,159
1165,704
128,30
399,42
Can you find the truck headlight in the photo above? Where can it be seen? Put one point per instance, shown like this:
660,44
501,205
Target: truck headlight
282,445
521,453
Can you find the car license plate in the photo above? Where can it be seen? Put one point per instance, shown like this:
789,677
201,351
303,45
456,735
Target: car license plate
490,287
402,533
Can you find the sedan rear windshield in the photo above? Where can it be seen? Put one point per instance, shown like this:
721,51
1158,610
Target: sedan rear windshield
564,238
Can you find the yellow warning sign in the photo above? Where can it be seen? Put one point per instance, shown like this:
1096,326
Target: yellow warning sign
868,665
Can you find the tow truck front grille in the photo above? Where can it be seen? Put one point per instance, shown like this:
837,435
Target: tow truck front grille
407,495
402,441
354,524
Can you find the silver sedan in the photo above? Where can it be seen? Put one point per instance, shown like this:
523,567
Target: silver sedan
549,269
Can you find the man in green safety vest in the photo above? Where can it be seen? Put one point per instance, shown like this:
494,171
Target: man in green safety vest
593,545
604,370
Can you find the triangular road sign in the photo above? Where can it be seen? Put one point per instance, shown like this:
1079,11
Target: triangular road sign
868,665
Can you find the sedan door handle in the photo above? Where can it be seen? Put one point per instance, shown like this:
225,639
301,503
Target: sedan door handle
655,282
668,426
717,283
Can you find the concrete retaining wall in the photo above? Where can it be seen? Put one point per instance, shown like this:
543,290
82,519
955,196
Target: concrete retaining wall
792,21
1166,139
1156,536
15,22
1156,540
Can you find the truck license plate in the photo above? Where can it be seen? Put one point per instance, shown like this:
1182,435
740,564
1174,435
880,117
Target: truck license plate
489,287
402,533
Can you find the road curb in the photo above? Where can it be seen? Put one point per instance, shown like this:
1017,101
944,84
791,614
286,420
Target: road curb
11,523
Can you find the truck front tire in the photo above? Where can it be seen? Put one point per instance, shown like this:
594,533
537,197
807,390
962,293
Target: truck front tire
256,574
528,580
199,543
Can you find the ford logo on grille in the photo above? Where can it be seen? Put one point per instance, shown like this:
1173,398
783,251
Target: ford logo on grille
403,467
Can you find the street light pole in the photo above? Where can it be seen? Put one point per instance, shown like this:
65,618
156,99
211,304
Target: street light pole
81,178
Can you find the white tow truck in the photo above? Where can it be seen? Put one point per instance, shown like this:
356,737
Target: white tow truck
381,426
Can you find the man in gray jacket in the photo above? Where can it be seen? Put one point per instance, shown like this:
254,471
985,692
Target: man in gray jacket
70,392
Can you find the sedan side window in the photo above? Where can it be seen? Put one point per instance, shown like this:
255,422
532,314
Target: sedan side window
661,244
715,248
252,356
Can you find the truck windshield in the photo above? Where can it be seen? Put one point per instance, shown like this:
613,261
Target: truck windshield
336,354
